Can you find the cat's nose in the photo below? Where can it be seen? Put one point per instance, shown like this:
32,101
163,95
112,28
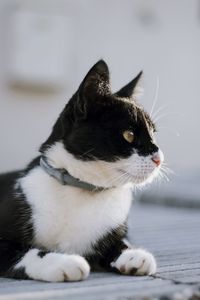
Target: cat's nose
157,158
157,161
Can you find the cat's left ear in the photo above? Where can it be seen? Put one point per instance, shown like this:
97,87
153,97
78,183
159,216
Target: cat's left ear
96,82
129,90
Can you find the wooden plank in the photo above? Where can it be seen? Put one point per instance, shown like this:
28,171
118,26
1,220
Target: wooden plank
171,233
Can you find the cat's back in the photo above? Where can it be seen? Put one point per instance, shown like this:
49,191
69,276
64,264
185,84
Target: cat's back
14,210
7,181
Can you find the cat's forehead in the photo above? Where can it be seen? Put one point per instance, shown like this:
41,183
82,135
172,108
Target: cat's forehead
123,110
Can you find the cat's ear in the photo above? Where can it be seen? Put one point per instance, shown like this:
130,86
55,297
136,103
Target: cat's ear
96,82
129,90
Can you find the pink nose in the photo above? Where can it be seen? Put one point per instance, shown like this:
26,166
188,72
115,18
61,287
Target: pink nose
156,159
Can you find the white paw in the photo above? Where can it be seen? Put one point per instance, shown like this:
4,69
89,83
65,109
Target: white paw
54,267
66,267
135,262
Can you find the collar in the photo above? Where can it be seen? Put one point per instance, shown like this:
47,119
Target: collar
64,178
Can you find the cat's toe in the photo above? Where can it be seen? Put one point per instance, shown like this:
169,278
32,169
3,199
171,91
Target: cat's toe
135,262
75,268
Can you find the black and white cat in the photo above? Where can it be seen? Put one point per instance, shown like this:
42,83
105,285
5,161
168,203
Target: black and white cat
68,209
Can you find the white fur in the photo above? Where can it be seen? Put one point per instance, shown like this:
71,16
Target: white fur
135,169
132,259
54,267
70,220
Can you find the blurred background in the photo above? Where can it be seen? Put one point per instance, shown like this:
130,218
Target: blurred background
46,48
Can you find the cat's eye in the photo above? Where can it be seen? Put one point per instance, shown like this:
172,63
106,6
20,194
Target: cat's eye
128,136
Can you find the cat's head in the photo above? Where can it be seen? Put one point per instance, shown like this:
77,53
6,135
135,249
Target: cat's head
104,138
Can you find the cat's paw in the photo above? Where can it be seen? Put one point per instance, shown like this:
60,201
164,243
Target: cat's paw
70,268
135,262
54,267
61,267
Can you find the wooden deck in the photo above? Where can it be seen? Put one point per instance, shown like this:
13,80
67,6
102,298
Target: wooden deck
172,234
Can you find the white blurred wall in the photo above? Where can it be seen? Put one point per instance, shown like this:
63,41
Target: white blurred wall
160,37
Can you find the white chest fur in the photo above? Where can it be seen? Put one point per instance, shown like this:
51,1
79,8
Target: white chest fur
69,219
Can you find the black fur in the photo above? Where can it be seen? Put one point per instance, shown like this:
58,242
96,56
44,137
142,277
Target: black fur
92,123
90,127
15,213
108,248
16,229
42,253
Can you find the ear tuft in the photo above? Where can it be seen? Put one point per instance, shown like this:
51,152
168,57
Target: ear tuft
129,90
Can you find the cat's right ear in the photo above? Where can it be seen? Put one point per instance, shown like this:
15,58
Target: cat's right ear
95,83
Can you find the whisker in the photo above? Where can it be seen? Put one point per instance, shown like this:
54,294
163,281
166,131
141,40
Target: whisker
167,114
164,176
167,170
90,150
156,96
117,178
158,111
113,180
159,178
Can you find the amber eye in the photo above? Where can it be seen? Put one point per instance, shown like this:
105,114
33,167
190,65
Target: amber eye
129,136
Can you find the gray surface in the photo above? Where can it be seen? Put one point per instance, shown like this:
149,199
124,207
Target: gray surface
174,237
182,190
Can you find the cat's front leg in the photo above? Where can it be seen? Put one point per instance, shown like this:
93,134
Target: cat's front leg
135,262
53,267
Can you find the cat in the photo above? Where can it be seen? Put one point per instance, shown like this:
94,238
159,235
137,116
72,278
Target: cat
66,212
